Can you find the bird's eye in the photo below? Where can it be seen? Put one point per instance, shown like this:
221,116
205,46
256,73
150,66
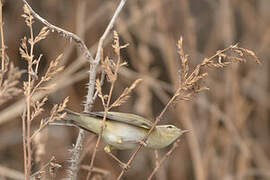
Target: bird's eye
170,126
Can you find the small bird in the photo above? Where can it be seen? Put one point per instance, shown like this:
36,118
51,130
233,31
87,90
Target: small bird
124,130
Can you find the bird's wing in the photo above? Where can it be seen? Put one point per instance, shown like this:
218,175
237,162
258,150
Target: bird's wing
131,119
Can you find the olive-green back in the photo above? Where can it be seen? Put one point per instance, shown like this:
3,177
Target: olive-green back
128,118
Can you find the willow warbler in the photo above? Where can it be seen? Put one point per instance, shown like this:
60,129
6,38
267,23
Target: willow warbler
124,130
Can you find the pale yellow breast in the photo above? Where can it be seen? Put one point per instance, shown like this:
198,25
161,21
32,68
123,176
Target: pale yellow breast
121,135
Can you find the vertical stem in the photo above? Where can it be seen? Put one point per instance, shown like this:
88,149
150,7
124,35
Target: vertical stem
28,105
76,155
91,86
92,80
106,109
150,131
28,101
159,163
24,144
96,146
2,43
2,39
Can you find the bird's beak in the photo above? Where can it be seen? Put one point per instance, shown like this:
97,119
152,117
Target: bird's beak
185,131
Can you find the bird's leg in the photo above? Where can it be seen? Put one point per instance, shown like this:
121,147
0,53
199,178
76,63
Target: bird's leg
124,166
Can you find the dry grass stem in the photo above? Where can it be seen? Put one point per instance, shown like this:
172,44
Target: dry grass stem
2,40
90,96
106,174
77,149
165,157
32,85
111,70
50,167
62,32
189,84
229,125
78,63
9,75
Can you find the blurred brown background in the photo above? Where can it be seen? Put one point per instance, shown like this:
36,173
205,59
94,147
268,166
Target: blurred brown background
230,123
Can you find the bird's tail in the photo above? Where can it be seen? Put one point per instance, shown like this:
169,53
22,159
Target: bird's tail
81,120
68,120
70,115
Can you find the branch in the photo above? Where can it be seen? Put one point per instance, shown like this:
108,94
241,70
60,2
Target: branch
93,66
90,95
150,131
78,147
166,156
63,32
2,41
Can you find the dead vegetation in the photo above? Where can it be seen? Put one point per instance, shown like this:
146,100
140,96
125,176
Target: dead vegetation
228,122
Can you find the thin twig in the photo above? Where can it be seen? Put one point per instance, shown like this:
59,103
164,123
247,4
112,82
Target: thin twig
28,103
107,106
2,41
63,32
166,156
16,109
30,88
89,98
62,82
104,172
52,165
93,66
76,151
78,146
102,78
149,132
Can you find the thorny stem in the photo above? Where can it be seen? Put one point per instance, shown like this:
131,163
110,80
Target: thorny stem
93,65
90,98
78,146
92,73
76,151
150,131
62,32
92,80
